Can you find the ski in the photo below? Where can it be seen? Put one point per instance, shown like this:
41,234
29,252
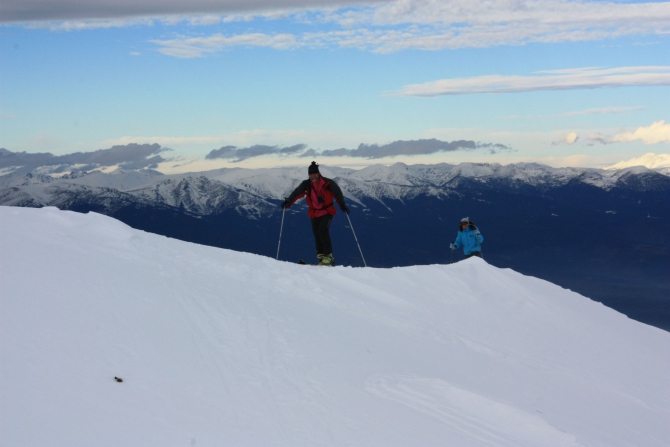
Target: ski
302,262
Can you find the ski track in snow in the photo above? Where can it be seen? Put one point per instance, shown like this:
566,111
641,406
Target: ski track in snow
219,348
469,417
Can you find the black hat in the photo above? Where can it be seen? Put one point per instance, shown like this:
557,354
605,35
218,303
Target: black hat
313,168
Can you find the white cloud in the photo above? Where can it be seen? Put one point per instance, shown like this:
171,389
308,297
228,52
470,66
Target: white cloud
649,160
580,78
568,138
188,47
657,132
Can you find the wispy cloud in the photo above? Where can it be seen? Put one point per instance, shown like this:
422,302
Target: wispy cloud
433,25
581,78
599,138
188,47
131,156
236,154
603,111
367,151
414,147
82,25
169,20
458,12
657,132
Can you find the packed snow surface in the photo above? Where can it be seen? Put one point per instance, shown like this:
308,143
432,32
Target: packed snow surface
219,348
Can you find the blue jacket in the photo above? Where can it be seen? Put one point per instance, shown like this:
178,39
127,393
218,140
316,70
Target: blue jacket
470,239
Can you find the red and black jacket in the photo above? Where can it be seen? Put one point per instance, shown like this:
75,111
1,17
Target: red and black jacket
330,191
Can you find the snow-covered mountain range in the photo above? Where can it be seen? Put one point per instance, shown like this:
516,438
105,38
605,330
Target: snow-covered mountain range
251,191
114,336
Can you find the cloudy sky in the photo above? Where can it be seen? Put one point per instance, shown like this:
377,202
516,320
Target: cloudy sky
258,83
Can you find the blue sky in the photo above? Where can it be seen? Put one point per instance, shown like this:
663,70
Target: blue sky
566,83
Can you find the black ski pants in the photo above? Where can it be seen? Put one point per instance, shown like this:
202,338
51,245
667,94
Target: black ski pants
321,230
474,253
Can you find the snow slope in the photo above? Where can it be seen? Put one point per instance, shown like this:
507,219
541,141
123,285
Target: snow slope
220,348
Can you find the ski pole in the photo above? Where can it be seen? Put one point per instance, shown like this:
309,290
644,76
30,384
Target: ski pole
359,245
452,256
481,252
281,228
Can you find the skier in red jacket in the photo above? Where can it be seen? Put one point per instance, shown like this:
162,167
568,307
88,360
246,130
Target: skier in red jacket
319,192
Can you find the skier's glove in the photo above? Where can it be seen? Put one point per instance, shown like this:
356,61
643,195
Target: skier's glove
284,204
345,209
452,246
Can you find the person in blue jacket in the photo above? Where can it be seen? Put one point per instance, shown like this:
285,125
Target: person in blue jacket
469,238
